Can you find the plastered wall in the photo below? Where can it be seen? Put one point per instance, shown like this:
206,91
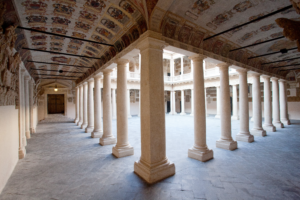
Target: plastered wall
9,142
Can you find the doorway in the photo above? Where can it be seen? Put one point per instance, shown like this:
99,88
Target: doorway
56,104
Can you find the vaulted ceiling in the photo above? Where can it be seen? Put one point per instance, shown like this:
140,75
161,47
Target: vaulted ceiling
121,22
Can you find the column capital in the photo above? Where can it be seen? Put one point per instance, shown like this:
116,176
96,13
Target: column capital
197,57
27,78
265,76
91,80
122,61
242,71
274,79
85,83
223,66
255,74
282,80
152,43
107,71
98,76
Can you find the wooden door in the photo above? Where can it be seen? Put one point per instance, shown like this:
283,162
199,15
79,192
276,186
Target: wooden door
56,103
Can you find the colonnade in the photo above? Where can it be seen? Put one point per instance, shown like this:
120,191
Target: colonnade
153,164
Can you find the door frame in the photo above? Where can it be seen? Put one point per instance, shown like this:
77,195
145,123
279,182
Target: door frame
51,91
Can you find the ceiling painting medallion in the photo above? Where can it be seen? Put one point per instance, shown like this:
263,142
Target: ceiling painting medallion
39,38
118,15
59,31
78,35
76,42
38,29
57,38
34,7
61,59
63,10
87,17
79,26
104,33
69,2
94,5
60,22
36,20
110,25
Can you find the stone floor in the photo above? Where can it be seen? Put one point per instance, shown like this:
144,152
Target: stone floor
63,162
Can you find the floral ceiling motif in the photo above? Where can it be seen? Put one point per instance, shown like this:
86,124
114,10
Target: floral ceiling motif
103,21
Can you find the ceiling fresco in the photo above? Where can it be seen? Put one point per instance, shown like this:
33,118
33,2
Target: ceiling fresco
191,21
116,22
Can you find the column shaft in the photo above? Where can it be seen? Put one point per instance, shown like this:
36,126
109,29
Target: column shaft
256,107
192,102
226,141
80,106
218,115
122,147
22,142
31,92
268,126
90,107
27,107
128,103
84,109
77,105
107,137
97,132
153,164
276,113
200,150
235,115
283,103
182,103
244,134
113,104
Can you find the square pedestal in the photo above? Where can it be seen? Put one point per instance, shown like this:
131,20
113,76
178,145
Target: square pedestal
76,121
32,130
269,128
83,126
286,122
154,174
278,125
89,129
257,132
96,134
27,133
22,153
79,123
244,138
107,141
122,152
202,156
225,144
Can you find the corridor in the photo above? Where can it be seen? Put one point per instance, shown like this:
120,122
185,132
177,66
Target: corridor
63,162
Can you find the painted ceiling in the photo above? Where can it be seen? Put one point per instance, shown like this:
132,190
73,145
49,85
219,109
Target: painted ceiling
121,22
116,22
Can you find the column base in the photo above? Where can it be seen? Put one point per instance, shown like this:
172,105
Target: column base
225,144
89,129
244,138
83,126
217,116
235,118
22,153
258,132
269,128
76,121
286,122
156,173
278,125
182,113
199,155
96,134
79,123
122,152
27,133
32,130
107,141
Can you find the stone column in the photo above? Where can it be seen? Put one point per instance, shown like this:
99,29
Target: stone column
107,137
226,141
182,103
31,92
235,115
122,147
22,139
218,115
200,150
173,103
192,101
128,103
268,126
139,102
181,62
244,134
205,96
79,123
113,105
84,107
27,107
153,165
283,103
77,105
257,129
97,132
90,106
276,114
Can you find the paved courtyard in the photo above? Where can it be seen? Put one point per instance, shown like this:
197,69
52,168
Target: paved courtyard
63,162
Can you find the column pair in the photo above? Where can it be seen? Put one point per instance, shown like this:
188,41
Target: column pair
276,112
284,117
200,150
268,126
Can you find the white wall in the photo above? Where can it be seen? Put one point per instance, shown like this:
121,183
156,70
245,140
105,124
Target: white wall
134,108
294,110
71,110
9,142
